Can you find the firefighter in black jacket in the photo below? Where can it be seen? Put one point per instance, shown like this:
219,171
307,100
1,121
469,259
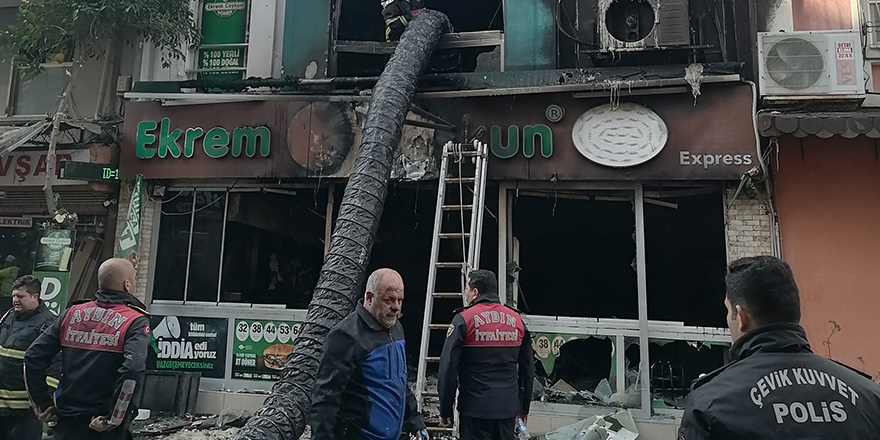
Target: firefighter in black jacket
488,357
19,327
397,14
775,387
103,344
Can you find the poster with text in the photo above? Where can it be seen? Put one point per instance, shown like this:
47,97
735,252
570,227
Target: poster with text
261,347
182,343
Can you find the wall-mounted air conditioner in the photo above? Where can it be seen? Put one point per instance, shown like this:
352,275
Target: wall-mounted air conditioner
815,64
643,24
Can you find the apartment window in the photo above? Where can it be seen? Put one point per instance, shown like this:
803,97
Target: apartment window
34,94
874,24
263,246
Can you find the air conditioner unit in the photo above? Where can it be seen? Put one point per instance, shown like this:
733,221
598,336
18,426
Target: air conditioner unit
811,64
631,25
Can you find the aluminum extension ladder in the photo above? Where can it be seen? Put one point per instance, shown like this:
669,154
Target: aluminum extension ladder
458,226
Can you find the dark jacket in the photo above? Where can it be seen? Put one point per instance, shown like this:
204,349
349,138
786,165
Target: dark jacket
17,332
488,357
361,390
776,388
103,344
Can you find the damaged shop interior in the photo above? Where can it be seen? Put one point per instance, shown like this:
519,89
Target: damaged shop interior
563,34
612,276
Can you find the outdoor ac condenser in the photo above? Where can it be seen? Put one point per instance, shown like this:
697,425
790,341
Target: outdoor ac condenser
816,64
632,25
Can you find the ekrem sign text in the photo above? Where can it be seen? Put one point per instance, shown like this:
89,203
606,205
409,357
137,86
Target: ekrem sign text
157,138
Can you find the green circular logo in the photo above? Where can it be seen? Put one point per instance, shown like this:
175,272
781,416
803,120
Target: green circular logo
56,240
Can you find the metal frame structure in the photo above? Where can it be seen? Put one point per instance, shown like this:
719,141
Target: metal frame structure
452,179
619,329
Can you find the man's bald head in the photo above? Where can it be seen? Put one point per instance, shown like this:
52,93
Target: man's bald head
116,274
384,296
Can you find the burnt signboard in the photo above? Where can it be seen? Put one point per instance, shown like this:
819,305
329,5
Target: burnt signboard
267,139
651,137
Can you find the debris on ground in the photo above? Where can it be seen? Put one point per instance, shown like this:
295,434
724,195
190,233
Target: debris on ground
618,425
195,427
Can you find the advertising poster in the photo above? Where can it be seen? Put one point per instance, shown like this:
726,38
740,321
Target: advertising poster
224,30
261,347
54,250
181,343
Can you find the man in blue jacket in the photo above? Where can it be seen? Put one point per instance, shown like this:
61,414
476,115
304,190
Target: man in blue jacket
361,390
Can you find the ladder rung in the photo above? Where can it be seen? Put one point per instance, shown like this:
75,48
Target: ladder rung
464,153
438,326
431,394
438,429
454,234
461,179
433,359
447,295
450,264
457,207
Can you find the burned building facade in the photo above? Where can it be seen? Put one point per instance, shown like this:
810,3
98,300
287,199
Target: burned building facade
625,171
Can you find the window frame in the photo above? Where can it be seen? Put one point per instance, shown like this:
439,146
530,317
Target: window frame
15,80
618,330
226,191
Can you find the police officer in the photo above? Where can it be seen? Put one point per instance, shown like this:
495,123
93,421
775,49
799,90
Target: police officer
19,327
775,387
103,344
488,356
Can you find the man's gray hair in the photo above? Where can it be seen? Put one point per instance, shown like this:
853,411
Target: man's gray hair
374,280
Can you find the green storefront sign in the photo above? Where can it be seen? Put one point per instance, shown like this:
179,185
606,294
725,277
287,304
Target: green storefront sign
54,289
157,138
533,137
52,266
224,32
261,347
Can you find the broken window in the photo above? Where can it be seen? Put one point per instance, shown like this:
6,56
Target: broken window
260,246
603,324
360,49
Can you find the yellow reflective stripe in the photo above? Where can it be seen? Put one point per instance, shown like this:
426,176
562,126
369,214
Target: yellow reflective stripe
14,404
11,353
51,381
13,394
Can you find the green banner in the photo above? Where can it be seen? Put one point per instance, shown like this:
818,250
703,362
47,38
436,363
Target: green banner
224,31
261,347
129,239
54,250
546,347
54,289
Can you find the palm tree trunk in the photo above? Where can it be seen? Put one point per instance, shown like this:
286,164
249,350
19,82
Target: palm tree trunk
286,411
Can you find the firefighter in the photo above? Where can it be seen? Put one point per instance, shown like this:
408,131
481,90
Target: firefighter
103,344
19,327
775,387
397,14
488,356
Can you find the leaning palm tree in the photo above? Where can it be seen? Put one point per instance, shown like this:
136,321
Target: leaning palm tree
286,411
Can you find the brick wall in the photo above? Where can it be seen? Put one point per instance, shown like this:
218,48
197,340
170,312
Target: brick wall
147,214
748,225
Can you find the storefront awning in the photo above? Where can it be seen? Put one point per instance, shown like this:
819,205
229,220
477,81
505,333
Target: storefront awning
14,137
820,124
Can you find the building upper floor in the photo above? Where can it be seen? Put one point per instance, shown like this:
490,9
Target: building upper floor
604,39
